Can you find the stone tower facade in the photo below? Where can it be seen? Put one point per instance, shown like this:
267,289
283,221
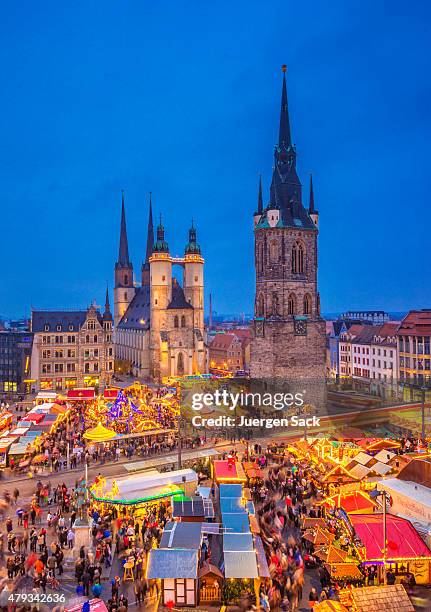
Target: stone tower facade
160,329
176,312
289,333
124,288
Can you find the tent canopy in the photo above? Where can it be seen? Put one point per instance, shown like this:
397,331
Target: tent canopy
403,541
99,434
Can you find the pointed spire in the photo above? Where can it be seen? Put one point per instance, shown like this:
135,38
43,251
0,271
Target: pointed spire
284,137
161,246
150,233
311,208
123,251
107,316
259,197
192,247
107,305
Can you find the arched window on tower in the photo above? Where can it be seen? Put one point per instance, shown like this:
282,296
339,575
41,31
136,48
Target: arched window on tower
291,304
298,258
275,304
126,279
183,321
176,321
260,306
273,251
307,304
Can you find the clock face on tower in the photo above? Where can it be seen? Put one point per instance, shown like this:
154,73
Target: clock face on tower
300,327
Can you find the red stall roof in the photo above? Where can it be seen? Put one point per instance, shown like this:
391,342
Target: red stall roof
110,393
229,471
34,417
403,541
80,394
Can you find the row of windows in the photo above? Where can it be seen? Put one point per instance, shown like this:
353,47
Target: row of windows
419,344
275,309
298,256
366,374
59,368
415,364
377,363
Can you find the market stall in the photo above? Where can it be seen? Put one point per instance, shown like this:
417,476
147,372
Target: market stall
133,490
405,550
229,471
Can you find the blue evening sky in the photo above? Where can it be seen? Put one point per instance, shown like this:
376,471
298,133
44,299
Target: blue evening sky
182,99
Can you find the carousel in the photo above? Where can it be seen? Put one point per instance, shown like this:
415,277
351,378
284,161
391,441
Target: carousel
134,411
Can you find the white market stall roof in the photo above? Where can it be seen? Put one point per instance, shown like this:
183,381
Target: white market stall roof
18,449
381,468
363,458
47,395
359,471
42,408
20,431
139,488
384,456
165,563
407,488
240,564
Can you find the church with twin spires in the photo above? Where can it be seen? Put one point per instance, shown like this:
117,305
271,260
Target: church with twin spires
289,333
159,323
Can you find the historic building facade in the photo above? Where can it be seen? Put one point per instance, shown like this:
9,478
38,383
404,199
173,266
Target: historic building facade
72,348
289,333
159,328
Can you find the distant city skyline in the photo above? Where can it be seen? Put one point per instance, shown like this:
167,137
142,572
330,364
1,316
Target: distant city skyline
185,104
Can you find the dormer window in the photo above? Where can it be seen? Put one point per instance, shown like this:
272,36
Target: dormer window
46,327
58,327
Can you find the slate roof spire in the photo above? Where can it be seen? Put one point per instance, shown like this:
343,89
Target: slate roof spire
259,197
284,136
150,234
107,305
311,208
123,251
161,246
192,247
107,316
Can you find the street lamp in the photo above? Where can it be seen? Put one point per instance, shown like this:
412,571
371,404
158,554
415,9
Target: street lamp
374,494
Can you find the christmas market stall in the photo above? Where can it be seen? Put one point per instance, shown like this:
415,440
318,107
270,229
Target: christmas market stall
139,489
193,509
352,502
229,471
405,551
176,569
340,479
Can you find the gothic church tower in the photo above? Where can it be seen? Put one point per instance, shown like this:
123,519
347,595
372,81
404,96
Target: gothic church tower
289,333
124,289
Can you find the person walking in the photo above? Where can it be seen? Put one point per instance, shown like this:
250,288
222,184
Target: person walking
70,538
